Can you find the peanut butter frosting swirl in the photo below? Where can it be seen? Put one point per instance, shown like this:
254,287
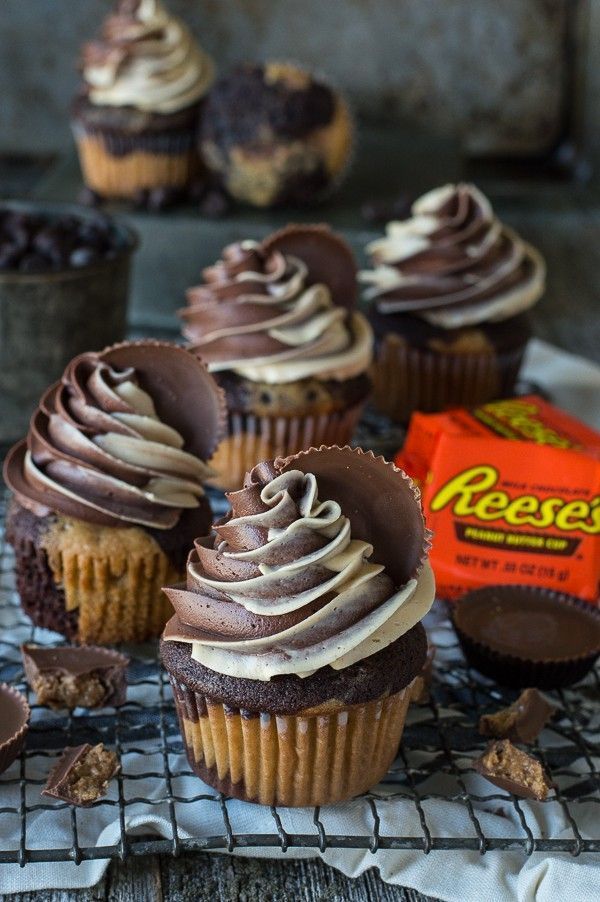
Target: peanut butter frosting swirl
453,263
285,587
147,59
97,448
259,314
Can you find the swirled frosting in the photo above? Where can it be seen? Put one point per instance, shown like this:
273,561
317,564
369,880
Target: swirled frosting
285,588
258,314
453,263
146,58
98,450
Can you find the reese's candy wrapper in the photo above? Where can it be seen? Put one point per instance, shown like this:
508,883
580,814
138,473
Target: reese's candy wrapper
511,491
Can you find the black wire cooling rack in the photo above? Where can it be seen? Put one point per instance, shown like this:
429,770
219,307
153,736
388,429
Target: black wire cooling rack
440,739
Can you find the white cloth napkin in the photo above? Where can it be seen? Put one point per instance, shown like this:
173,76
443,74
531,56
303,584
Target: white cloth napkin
496,876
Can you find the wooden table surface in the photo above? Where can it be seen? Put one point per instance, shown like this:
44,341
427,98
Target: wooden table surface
565,225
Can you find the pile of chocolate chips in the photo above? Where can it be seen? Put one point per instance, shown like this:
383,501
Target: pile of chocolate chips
39,243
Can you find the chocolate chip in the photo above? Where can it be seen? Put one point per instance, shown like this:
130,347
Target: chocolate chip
214,204
9,256
33,263
140,199
382,211
163,198
89,198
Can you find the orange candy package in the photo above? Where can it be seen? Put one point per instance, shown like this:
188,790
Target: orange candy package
511,491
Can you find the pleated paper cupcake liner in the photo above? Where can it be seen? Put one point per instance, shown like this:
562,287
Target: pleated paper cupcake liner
121,165
89,599
119,599
295,760
16,711
406,379
251,438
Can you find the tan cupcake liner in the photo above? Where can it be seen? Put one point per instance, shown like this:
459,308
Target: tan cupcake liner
252,438
406,379
119,598
308,758
124,175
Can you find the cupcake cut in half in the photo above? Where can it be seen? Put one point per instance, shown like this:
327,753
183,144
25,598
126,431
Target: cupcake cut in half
108,489
136,116
449,295
297,634
276,323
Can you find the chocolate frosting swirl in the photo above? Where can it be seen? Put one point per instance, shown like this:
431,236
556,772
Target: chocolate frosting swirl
147,59
108,444
285,588
453,263
260,314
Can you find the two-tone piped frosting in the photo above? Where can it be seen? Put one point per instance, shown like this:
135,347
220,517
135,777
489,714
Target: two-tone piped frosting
453,263
122,439
281,310
147,59
320,563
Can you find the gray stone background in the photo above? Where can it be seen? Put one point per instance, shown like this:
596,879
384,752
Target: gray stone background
492,73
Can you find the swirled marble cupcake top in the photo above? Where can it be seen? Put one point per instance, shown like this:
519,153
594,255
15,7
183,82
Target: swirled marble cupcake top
288,587
262,314
147,59
102,446
453,263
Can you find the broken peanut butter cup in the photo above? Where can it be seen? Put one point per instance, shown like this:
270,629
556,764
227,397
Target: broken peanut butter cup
82,775
70,677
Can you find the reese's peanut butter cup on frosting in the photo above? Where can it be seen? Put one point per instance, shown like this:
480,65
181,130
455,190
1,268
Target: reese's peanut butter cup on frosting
297,633
276,323
108,489
527,636
14,723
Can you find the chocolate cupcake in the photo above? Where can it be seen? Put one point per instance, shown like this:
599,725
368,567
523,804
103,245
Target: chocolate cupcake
448,299
277,326
135,119
275,134
296,637
526,636
14,724
108,490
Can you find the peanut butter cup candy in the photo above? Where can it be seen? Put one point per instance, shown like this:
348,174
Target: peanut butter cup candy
527,636
276,323
14,724
297,637
276,134
449,294
108,490
136,115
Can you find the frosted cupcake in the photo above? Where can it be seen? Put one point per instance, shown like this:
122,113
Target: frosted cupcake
277,326
136,117
296,638
108,490
449,295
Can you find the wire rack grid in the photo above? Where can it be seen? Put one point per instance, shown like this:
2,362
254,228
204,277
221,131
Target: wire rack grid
440,740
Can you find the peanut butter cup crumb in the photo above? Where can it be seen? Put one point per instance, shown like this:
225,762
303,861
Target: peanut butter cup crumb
511,769
523,721
68,691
